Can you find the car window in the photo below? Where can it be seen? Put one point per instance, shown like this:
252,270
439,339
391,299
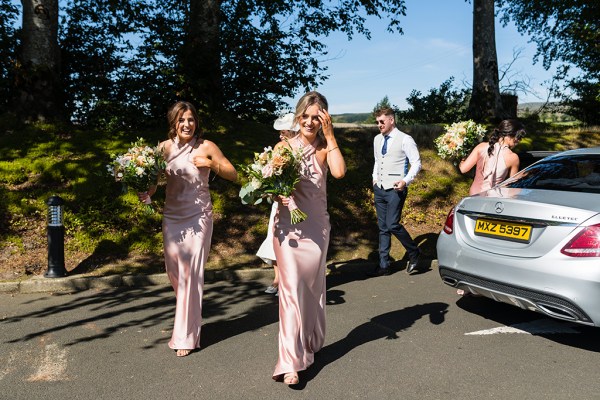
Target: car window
572,173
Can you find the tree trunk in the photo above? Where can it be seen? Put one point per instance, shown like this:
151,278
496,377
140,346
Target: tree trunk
202,56
485,104
38,94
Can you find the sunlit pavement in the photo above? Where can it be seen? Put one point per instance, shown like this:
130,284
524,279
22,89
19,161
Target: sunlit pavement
398,336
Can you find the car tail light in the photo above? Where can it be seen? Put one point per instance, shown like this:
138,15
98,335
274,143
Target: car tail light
449,224
585,244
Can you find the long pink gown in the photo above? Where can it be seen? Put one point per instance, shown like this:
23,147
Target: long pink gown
490,170
301,252
187,233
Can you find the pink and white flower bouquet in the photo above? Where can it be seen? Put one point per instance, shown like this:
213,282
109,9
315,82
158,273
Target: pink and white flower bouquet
274,172
137,169
458,140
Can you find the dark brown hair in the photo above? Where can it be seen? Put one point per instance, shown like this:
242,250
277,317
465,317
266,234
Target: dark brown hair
507,127
175,112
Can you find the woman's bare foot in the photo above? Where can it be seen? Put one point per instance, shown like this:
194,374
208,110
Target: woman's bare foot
291,378
183,352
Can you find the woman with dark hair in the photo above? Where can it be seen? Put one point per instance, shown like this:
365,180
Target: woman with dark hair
187,218
301,249
494,160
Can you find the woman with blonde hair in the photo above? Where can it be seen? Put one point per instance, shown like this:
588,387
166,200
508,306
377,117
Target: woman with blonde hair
301,249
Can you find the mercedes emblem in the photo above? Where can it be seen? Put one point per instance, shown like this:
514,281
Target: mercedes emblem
499,207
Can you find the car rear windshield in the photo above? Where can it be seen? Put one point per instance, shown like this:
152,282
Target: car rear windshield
570,173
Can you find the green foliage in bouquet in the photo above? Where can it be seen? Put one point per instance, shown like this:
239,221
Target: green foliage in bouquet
274,172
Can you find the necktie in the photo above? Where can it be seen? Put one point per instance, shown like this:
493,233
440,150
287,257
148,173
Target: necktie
384,148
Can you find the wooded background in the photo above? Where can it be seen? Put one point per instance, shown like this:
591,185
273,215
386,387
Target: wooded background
112,63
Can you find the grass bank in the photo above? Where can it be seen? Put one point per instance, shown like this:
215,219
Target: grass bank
107,231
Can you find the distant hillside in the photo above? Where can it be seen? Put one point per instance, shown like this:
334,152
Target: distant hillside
351,117
534,106
524,108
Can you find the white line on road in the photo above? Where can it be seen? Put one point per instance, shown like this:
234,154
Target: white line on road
538,327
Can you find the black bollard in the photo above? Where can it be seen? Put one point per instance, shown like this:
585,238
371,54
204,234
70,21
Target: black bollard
56,239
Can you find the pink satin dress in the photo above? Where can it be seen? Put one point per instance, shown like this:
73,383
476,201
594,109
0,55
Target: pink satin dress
490,170
301,252
187,233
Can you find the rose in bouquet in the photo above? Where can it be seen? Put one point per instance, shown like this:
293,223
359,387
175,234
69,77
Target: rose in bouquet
274,172
458,140
137,169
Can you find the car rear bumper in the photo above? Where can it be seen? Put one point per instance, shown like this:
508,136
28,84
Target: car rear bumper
558,286
545,303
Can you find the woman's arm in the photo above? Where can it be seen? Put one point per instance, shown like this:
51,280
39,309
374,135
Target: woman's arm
468,163
216,161
512,162
334,157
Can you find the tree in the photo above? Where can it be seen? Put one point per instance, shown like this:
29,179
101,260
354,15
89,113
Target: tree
383,103
201,59
8,45
241,55
38,93
585,105
97,77
566,31
485,104
268,49
442,104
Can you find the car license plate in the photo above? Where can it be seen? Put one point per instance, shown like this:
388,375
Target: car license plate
503,230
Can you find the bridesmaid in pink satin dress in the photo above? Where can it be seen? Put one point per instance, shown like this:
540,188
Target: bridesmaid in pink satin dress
187,218
301,249
494,160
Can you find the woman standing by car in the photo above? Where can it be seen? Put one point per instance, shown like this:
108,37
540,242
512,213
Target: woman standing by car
494,160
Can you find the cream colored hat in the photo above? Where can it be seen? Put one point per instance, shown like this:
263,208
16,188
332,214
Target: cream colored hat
285,123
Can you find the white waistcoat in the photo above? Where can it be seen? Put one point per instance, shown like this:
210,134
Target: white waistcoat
392,166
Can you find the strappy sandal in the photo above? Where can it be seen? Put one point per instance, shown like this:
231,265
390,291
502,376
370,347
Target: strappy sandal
183,352
291,378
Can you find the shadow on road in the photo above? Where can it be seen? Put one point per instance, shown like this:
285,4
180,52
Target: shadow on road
384,326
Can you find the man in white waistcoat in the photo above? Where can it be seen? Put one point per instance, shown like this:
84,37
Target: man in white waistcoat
397,162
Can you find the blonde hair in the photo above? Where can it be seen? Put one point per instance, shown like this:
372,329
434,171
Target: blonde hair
175,113
308,100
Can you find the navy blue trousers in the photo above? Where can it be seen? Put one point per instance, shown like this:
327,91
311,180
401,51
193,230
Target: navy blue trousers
389,204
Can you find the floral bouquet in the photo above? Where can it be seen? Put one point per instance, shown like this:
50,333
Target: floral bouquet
138,168
459,139
273,173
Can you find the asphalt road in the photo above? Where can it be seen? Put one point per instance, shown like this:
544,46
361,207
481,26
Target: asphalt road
392,337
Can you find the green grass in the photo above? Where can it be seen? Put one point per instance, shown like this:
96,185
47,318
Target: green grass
107,231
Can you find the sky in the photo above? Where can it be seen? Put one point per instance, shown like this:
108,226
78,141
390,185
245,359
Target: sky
436,44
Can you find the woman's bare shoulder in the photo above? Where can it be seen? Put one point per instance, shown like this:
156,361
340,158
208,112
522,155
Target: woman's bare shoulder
511,158
482,145
165,145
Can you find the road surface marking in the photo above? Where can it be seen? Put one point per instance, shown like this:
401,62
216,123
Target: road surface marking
538,327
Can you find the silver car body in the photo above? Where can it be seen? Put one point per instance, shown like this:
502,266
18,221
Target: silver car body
553,201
